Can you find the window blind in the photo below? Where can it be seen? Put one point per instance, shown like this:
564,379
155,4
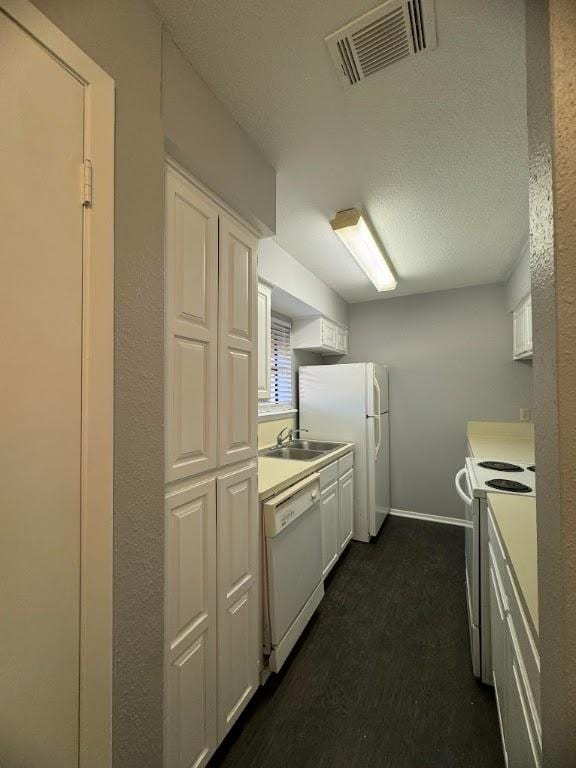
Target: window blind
280,368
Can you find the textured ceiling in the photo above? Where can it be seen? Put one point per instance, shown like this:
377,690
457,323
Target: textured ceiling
434,149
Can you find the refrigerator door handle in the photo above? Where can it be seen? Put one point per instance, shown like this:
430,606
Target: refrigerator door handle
379,441
379,393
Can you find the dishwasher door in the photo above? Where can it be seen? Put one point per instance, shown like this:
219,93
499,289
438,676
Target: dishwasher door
294,569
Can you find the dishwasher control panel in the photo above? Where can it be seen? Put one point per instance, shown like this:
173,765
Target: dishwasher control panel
288,507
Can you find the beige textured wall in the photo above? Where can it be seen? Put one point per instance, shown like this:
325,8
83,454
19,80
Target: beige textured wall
551,53
125,39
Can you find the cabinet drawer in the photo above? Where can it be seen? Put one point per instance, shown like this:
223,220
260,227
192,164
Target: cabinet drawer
523,688
525,642
328,475
345,463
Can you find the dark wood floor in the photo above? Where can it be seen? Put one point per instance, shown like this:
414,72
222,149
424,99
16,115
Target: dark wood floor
382,675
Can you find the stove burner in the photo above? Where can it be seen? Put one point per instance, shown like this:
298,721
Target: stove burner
503,484
532,468
500,466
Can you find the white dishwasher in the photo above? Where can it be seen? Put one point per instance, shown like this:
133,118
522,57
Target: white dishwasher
293,586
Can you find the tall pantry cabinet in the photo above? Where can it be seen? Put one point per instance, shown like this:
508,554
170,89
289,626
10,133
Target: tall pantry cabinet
212,628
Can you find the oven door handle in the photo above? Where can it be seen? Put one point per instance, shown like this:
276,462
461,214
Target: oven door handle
459,490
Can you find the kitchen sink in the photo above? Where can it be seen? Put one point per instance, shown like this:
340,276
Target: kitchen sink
297,454
315,445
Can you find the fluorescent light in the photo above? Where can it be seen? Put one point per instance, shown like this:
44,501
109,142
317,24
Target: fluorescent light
359,240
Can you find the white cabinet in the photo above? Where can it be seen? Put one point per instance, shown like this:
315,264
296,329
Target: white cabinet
319,334
238,344
522,320
191,263
191,624
329,516
345,509
264,340
337,509
213,615
239,605
515,666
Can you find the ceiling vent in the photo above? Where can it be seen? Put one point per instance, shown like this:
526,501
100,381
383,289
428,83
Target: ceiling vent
396,30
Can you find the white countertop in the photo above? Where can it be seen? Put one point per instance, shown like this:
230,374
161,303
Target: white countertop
274,475
514,515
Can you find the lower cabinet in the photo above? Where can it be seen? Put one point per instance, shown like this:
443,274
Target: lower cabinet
212,646
337,509
345,509
239,609
517,710
191,649
329,512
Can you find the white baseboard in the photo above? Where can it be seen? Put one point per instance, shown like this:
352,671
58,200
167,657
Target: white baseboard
428,518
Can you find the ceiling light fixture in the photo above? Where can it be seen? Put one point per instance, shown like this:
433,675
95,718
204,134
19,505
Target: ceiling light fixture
351,228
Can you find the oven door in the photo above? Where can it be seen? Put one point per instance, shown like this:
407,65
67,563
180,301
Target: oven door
472,552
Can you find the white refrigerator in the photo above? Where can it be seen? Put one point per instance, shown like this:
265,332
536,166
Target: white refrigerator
349,403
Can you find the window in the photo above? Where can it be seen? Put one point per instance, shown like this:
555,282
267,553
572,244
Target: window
280,369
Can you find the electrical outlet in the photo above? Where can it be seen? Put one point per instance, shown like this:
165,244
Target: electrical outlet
525,414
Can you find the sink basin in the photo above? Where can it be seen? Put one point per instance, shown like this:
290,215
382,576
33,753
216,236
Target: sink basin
315,445
296,454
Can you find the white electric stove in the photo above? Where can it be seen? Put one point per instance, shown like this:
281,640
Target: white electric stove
473,482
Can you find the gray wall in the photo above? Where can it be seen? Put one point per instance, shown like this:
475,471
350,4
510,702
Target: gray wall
202,136
450,358
551,60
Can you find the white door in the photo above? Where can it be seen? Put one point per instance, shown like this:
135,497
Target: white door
345,509
521,745
264,340
41,247
191,625
191,257
239,608
238,348
330,535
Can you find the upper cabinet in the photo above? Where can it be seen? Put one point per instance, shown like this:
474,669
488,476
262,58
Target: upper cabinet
211,334
264,340
318,334
522,319
191,329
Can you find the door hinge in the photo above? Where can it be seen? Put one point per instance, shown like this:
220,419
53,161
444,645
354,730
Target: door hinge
87,184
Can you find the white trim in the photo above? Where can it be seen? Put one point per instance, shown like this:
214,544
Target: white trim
95,721
258,234
428,518
276,415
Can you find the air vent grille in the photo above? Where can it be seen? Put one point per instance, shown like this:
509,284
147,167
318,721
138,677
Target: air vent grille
396,30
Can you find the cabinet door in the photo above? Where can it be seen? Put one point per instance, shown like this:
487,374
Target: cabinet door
328,334
345,509
239,635
499,652
191,256
519,331
528,324
191,724
520,742
264,341
238,349
330,536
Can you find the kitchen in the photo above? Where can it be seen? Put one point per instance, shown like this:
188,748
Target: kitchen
289,515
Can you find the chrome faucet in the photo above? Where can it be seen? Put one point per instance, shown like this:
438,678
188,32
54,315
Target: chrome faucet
282,439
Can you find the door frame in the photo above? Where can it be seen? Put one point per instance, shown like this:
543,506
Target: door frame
96,506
